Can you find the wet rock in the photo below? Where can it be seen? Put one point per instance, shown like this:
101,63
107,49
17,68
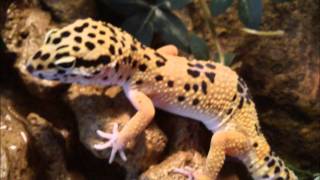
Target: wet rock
68,11
286,68
23,34
30,147
14,144
98,109
285,130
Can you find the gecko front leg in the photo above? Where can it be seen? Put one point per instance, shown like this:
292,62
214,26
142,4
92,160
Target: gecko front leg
118,140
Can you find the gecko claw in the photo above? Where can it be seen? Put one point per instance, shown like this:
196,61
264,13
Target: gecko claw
187,171
112,142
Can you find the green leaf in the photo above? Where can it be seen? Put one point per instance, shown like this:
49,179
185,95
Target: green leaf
228,58
172,4
171,28
199,47
219,6
250,13
141,26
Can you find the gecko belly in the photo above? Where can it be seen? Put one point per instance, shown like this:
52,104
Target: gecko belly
210,121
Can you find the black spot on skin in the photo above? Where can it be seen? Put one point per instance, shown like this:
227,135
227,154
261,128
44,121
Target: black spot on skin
139,82
210,76
78,39
60,55
51,65
128,78
120,51
159,78
271,163
160,56
229,111
122,43
37,55
210,66
234,97
266,176
30,68
92,35
134,63
204,87
187,87
112,49
120,77
66,64
75,48
129,59
170,83
279,178
190,65
181,98
48,40
280,163
104,59
112,30
266,158
133,48
41,76
61,47
81,28
102,32
160,63
56,41
276,169
89,45
61,71
45,56
94,26
105,78
146,57
255,144
240,103
195,87
198,65
100,41
117,67
142,67
239,88
195,102
193,73
113,39
65,34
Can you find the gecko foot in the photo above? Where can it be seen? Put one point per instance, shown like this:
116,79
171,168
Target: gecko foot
187,171
112,142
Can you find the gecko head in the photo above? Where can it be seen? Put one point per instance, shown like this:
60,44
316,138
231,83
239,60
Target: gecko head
75,53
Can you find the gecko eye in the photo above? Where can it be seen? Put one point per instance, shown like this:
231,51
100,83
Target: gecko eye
47,38
65,63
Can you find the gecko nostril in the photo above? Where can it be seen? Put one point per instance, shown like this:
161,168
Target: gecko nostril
30,68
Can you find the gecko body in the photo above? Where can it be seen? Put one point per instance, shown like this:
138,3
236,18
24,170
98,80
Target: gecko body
94,52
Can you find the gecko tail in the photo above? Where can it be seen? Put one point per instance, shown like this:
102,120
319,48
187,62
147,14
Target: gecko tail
271,167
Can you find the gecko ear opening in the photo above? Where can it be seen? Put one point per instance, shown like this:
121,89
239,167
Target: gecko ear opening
66,62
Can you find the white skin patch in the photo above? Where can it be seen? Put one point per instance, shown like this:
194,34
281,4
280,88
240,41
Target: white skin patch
65,60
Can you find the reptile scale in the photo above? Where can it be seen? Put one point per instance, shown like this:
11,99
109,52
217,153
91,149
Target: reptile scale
93,52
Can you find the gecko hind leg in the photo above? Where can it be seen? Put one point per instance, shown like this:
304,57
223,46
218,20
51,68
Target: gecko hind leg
223,143
168,50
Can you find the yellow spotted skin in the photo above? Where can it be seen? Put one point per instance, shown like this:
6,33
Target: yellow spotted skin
94,52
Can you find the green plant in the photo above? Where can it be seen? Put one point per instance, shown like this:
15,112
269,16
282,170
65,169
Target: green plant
144,19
